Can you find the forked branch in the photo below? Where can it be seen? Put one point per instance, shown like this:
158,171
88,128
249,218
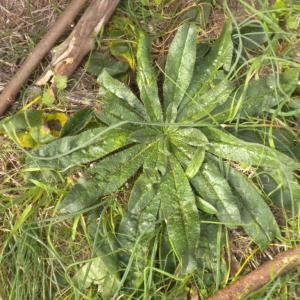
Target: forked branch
67,56
11,90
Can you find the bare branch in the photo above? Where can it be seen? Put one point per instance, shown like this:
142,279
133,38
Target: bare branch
11,90
68,55
266,273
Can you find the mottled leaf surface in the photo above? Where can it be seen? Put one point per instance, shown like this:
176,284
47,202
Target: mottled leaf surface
179,66
138,225
214,188
78,122
257,218
79,149
207,67
121,91
106,177
147,79
229,147
179,210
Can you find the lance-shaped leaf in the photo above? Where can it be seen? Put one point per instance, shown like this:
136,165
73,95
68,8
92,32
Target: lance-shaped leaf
211,242
229,147
195,164
207,68
258,96
141,215
157,160
116,110
179,66
104,178
189,136
78,122
145,135
179,210
137,226
79,149
285,140
188,146
258,220
103,270
121,91
202,105
147,79
282,188
214,188
183,152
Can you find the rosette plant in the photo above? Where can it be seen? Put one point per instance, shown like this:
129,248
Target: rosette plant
173,147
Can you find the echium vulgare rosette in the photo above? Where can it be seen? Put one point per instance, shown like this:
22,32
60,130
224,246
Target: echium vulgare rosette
185,168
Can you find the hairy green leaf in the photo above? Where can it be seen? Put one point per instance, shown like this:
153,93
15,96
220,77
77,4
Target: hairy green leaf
147,80
121,91
179,210
142,211
201,106
207,67
157,160
258,96
78,122
106,177
137,226
258,220
214,189
79,149
229,147
190,136
145,135
117,110
179,67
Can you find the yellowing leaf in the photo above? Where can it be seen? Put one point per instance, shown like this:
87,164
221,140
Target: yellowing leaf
41,135
55,122
25,140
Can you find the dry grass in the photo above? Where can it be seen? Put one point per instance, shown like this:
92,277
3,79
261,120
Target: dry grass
22,24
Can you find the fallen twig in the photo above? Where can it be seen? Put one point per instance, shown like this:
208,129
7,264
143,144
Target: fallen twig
68,55
266,273
11,90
